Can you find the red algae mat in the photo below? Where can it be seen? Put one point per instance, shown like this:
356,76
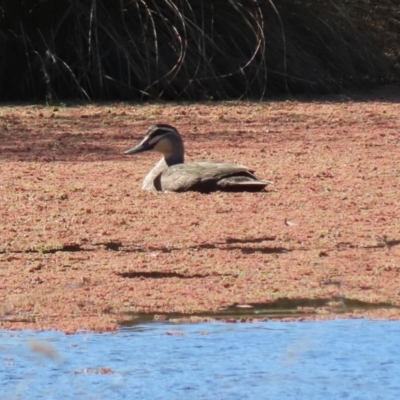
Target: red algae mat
82,245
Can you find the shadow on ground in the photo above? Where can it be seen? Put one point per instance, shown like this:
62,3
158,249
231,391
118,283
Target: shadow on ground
278,309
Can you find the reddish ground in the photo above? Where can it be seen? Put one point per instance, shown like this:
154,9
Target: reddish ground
81,244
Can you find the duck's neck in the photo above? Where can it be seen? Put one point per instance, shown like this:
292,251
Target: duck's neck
165,162
177,154
173,158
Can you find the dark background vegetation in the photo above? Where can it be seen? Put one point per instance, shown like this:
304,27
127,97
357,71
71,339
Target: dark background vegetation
197,50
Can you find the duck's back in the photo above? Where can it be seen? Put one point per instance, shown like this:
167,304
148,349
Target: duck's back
207,177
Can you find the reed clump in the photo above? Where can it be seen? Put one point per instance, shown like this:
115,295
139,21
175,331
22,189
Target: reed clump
195,50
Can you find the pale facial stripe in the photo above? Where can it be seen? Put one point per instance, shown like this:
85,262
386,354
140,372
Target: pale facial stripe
156,139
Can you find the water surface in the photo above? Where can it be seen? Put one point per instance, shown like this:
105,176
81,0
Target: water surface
342,359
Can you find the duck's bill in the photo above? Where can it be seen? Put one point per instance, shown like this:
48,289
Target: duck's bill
138,149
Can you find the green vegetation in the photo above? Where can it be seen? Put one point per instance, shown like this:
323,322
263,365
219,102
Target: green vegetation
187,49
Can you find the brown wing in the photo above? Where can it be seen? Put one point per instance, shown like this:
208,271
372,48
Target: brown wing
206,176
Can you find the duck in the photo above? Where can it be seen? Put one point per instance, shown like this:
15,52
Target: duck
172,174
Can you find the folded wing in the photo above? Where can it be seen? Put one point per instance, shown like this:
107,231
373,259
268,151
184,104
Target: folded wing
209,176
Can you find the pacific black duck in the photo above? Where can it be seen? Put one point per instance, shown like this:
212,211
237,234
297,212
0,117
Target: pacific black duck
173,175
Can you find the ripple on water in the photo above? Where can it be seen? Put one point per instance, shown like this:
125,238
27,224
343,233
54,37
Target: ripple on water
350,359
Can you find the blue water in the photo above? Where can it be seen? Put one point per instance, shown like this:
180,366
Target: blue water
342,359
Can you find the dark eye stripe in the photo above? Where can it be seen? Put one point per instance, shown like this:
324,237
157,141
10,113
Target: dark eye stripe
159,130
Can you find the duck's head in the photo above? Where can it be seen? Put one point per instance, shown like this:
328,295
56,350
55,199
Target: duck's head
162,138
